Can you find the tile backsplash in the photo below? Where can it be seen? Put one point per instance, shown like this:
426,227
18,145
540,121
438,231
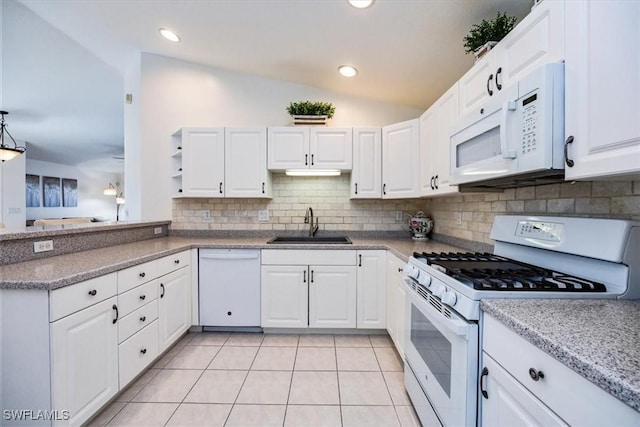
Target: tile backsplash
329,198
601,199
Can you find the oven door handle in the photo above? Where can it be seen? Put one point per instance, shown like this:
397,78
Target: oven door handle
455,324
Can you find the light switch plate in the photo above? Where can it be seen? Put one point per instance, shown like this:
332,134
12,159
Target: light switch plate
263,215
458,217
399,216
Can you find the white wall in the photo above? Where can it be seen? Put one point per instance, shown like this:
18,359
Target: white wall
12,194
175,94
91,201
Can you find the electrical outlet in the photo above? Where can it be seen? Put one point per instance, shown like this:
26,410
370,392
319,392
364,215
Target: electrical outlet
458,217
263,215
43,246
157,230
399,216
203,213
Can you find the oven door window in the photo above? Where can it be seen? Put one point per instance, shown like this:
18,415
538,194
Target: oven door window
433,347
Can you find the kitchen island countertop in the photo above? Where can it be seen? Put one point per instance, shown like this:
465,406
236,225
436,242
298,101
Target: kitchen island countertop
598,339
63,270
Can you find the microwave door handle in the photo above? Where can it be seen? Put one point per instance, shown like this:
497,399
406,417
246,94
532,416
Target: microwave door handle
504,146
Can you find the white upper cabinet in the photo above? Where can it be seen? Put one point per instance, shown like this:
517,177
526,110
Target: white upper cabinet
288,148
331,148
301,147
435,130
245,154
366,176
400,160
198,162
536,40
220,162
602,81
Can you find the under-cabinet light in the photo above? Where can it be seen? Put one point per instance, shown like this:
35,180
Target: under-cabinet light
312,172
347,70
360,4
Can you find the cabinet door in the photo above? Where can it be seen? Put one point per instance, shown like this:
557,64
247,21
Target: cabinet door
395,302
477,85
174,307
537,40
245,157
288,147
372,289
84,360
284,296
203,162
448,113
602,82
366,176
428,143
508,403
332,296
331,148
400,160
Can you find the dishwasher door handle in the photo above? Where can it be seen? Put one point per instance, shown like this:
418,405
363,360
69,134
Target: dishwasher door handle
230,256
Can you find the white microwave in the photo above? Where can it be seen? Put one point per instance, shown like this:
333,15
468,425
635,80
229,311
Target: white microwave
515,139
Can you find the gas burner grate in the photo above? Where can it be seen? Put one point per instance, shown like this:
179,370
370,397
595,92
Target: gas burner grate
484,271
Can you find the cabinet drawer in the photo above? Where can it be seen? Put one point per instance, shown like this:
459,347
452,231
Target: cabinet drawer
131,277
308,257
133,322
70,299
137,297
137,353
173,262
557,389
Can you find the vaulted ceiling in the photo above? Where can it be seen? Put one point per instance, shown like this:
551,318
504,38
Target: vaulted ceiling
407,52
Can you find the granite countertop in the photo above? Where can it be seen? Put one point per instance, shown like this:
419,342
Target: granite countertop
63,270
35,232
598,339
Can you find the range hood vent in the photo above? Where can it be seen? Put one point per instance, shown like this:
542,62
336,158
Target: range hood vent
547,176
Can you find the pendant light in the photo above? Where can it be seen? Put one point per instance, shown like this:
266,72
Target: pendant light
6,151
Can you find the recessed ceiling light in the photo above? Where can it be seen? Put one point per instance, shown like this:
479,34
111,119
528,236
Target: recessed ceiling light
347,70
361,4
169,35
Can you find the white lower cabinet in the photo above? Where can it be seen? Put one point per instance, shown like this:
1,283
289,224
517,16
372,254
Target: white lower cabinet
395,302
509,403
174,306
84,360
371,289
309,288
529,387
332,296
284,296
137,352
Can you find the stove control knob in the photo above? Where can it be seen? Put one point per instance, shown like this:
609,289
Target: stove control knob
449,298
424,279
438,290
411,271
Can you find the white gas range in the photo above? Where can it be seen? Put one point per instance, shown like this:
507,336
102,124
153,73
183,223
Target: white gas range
534,257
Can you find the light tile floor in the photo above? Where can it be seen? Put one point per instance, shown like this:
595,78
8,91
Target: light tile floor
221,379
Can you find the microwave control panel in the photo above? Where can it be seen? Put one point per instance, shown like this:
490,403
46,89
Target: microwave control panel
529,127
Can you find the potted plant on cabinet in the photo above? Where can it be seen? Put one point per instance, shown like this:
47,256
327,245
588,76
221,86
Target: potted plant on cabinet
485,35
311,113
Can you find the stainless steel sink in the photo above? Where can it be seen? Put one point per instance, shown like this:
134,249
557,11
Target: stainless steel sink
294,240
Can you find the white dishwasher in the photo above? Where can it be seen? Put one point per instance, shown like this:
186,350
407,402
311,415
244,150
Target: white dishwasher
229,288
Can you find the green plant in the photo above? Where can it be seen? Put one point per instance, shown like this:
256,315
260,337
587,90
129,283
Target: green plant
485,31
308,108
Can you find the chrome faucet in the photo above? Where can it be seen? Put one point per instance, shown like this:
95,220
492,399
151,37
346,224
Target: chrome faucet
308,219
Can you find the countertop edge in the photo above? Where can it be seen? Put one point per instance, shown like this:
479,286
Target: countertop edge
179,244
594,373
